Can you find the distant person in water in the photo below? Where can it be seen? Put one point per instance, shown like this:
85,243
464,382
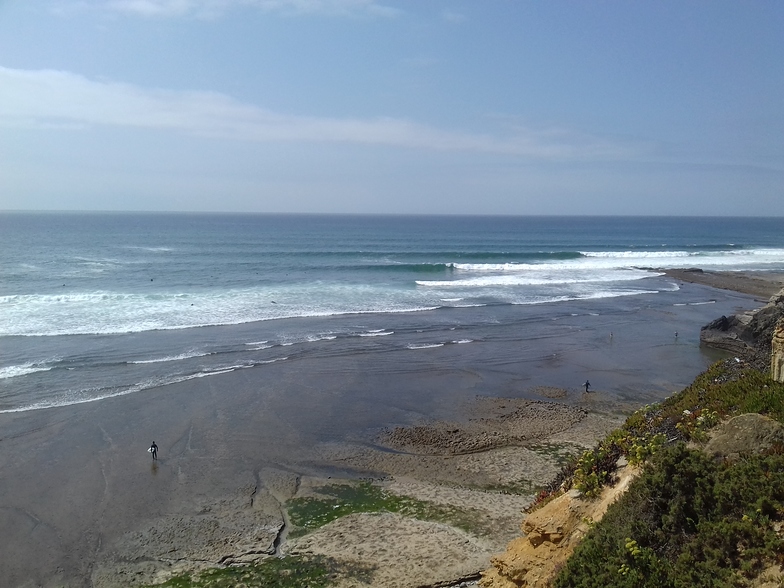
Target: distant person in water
154,450
587,385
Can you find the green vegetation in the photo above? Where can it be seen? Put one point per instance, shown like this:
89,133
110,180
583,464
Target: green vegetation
726,389
561,453
285,572
339,500
687,520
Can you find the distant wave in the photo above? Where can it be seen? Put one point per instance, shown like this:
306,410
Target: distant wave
379,333
635,254
500,280
315,338
724,255
171,358
424,345
13,371
102,313
537,279
422,268
597,295
94,394
150,249
464,259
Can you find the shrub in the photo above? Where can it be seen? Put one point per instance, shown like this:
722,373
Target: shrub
686,521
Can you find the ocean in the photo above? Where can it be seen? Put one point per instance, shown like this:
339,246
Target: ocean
97,305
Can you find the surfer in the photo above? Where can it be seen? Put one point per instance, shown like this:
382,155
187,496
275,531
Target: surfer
587,385
154,450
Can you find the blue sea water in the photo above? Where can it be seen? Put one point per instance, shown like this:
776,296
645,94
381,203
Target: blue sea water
96,305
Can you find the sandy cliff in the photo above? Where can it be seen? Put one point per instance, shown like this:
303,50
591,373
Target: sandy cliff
551,534
777,353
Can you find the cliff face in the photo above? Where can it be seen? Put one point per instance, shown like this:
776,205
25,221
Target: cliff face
777,353
551,534
746,332
554,531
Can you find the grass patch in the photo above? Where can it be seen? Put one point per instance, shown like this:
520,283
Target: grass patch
560,453
285,572
309,513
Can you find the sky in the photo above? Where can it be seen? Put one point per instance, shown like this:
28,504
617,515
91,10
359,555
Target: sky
382,106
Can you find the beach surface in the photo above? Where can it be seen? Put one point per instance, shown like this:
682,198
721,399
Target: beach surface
759,284
472,429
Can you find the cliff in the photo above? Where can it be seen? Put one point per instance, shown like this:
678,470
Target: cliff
748,332
777,353
728,390
551,534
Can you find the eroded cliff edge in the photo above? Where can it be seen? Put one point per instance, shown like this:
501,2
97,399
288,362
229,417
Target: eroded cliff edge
748,333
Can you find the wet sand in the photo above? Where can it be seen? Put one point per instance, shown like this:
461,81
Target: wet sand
82,504
761,285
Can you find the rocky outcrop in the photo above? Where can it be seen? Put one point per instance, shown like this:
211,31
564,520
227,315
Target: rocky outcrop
744,434
750,331
551,534
777,353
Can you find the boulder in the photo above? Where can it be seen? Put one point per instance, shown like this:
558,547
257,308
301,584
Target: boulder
744,434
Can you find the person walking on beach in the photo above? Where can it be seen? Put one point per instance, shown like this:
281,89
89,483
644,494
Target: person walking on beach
587,385
154,450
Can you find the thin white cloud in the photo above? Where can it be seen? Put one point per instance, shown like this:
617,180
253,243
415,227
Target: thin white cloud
216,8
57,99
453,17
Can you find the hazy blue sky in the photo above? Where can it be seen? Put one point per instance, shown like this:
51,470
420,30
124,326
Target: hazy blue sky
428,106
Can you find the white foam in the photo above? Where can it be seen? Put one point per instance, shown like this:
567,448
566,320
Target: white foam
315,338
463,341
12,371
82,397
187,355
151,249
212,373
424,345
540,278
587,296
381,333
101,312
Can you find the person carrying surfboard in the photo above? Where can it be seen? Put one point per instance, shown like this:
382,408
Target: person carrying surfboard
154,450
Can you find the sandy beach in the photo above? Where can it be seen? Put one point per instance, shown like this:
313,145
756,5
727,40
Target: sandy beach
82,504
762,285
